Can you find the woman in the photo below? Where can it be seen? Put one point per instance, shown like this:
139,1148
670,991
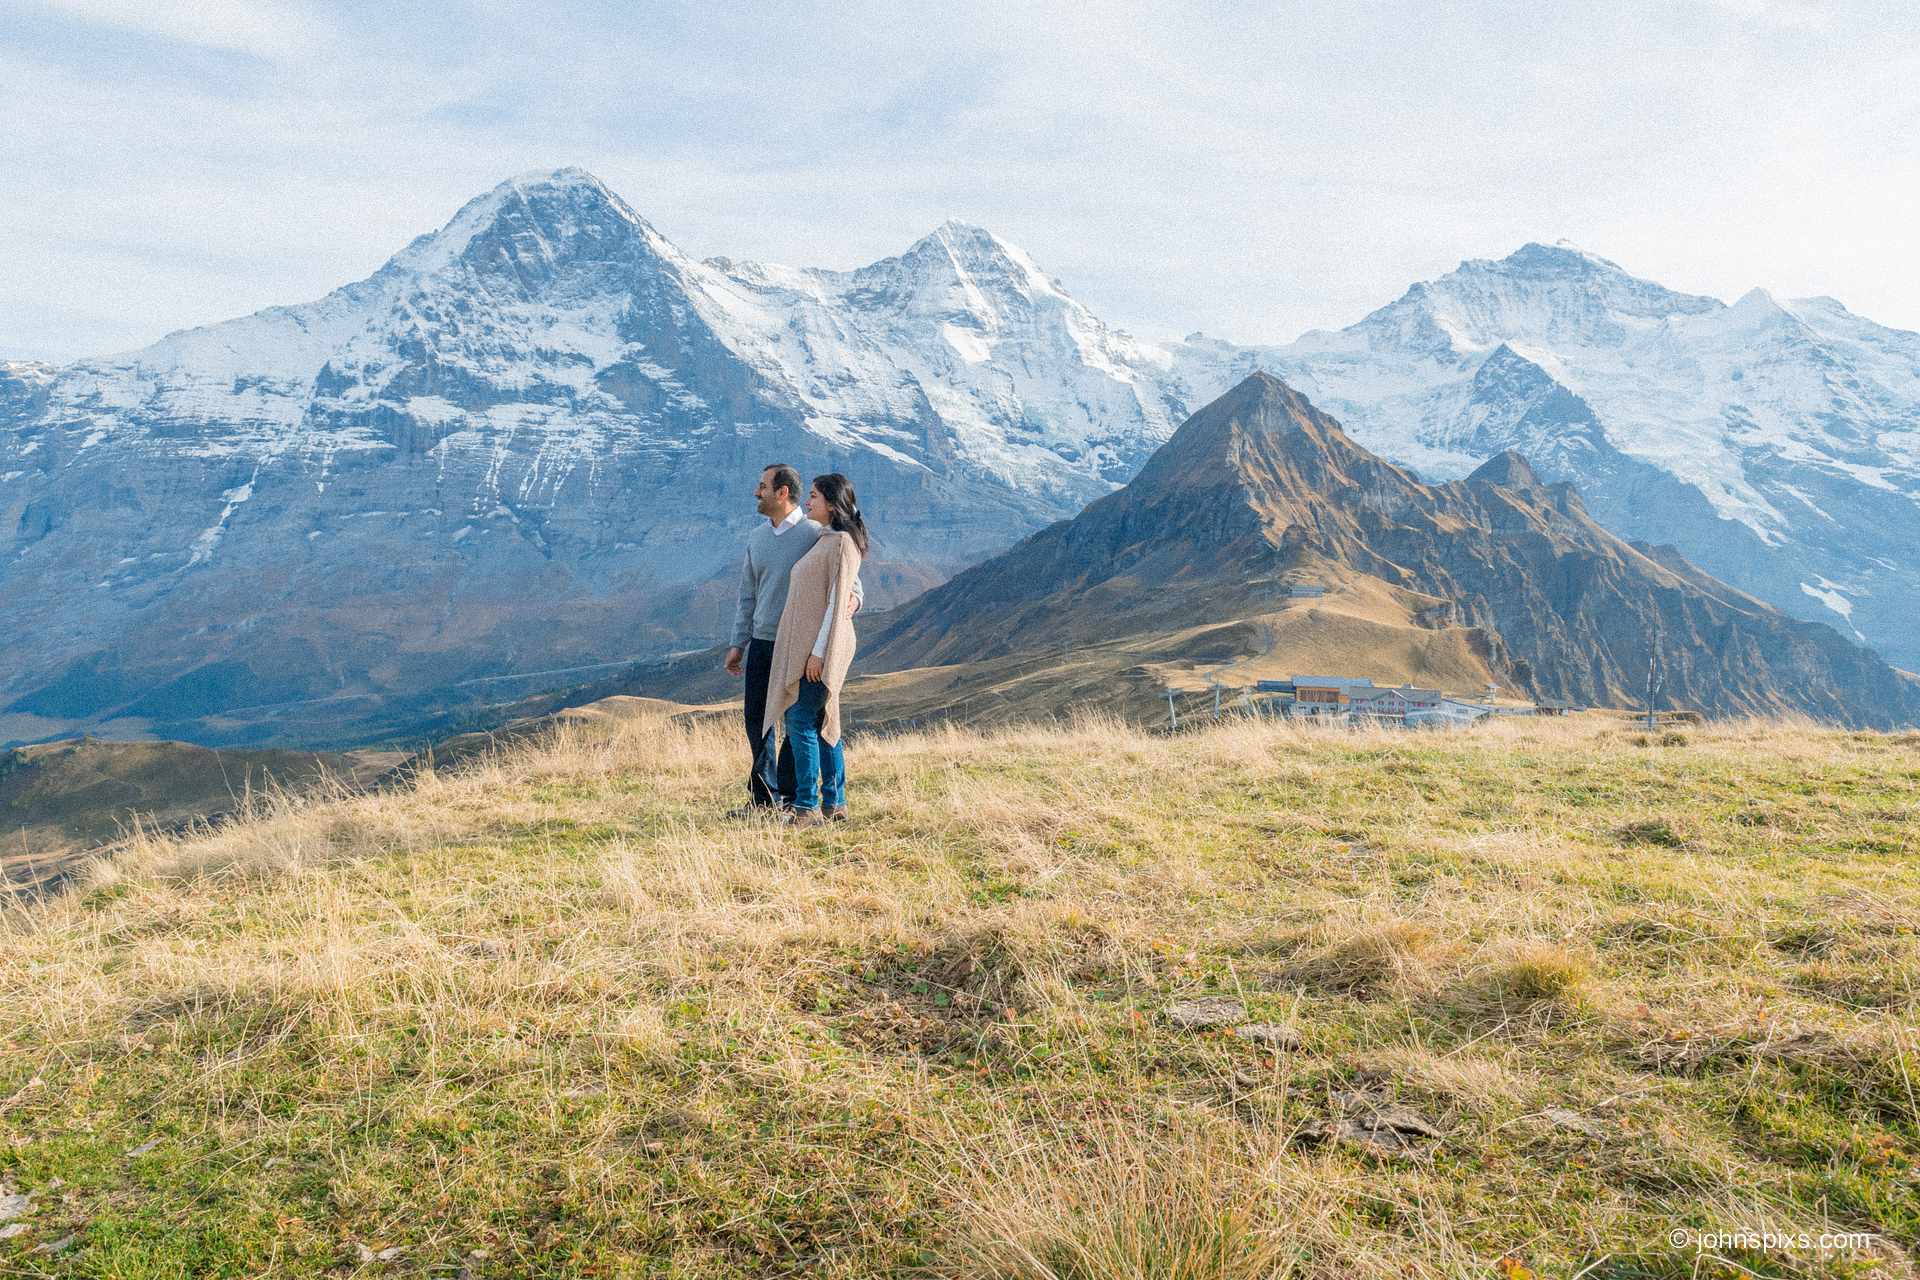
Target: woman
813,649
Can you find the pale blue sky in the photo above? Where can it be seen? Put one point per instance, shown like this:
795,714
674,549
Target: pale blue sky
1247,170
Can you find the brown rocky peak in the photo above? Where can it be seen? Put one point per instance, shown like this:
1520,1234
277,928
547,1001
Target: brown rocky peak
1261,434
1508,470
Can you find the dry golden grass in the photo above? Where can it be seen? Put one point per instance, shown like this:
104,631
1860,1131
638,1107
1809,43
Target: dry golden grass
550,1014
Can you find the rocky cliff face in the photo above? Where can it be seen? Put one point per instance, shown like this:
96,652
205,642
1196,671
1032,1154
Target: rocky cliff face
23,388
1260,481
527,443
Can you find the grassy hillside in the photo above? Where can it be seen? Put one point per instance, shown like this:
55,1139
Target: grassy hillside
60,799
1123,659
1523,1001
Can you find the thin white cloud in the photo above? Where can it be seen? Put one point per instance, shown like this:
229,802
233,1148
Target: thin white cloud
1248,171
1792,15
259,27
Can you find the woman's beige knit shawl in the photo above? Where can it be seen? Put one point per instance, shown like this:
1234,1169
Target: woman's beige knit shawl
807,604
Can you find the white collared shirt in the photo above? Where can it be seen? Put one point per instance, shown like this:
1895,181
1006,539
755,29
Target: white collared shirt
793,518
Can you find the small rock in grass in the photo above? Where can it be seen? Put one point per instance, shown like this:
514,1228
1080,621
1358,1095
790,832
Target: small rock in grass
1360,1133
14,1206
13,1229
1561,1118
1208,1013
144,1148
1270,1034
1403,1120
1373,1124
61,1245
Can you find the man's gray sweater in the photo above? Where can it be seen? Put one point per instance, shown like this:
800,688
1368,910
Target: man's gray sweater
763,579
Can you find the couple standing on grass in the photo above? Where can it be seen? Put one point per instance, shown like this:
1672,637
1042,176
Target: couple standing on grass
793,640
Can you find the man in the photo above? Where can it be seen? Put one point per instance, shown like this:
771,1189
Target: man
772,551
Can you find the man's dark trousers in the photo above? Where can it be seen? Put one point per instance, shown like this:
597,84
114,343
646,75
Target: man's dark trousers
770,781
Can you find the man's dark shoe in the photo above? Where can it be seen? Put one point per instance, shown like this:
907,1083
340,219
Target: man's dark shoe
836,813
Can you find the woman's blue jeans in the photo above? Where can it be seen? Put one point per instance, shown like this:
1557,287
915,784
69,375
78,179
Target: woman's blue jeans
819,768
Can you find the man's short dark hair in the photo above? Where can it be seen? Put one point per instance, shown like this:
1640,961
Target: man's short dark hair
785,477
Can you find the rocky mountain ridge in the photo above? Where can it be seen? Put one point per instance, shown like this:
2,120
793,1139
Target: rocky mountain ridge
1260,483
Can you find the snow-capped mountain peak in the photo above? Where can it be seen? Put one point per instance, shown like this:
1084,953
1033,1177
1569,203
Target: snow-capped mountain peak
1560,260
1757,303
967,328
23,386
24,376
530,225
1549,294
958,273
976,253
565,177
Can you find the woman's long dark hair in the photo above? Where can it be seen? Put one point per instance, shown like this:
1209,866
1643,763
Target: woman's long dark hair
843,509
